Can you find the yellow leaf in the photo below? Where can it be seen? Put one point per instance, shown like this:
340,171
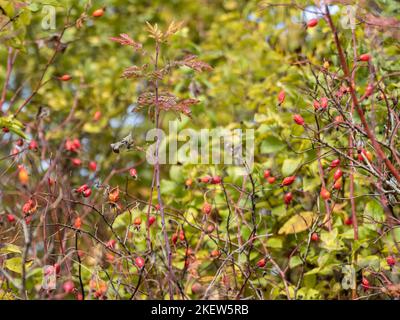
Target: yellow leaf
298,223
339,206
6,295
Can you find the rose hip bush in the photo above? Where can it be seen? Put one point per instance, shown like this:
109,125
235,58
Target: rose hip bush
84,215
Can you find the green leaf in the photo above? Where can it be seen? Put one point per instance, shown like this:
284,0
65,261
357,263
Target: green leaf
289,166
176,173
275,243
245,231
310,280
271,144
294,262
168,187
369,262
313,271
8,7
313,294
375,211
34,7
124,219
279,210
311,184
14,125
330,241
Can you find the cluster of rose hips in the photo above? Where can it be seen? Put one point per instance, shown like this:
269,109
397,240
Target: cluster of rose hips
337,185
267,175
207,207
98,287
287,198
176,236
189,255
33,146
28,209
322,104
211,179
133,173
74,147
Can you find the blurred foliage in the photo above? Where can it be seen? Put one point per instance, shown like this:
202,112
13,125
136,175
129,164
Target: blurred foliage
255,51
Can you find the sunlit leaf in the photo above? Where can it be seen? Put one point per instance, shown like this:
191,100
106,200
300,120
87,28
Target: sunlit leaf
298,223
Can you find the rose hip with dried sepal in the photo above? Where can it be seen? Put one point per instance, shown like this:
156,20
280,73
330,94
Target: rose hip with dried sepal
391,261
314,237
215,253
338,184
82,188
87,193
188,183
133,173
261,263
325,194
137,221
